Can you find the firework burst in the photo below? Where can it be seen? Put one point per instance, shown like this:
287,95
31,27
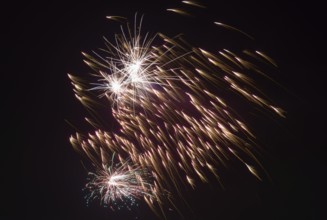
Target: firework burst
128,68
173,122
118,184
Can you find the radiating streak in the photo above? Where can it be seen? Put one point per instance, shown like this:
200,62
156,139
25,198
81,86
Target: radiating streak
179,11
233,28
194,3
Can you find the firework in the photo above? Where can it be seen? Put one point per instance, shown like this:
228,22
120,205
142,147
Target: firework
130,67
118,184
168,99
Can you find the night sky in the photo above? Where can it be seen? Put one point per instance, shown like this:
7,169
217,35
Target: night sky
42,176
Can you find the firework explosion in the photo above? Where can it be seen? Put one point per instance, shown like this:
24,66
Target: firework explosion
173,123
118,185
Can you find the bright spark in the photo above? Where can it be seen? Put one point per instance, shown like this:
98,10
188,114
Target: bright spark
116,87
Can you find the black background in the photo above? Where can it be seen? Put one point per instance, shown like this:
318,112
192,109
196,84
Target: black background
41,175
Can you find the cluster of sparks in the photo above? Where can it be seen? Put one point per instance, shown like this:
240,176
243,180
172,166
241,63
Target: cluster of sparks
173,122
129,65
118,183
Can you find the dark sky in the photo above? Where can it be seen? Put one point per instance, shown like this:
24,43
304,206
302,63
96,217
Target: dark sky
43,177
